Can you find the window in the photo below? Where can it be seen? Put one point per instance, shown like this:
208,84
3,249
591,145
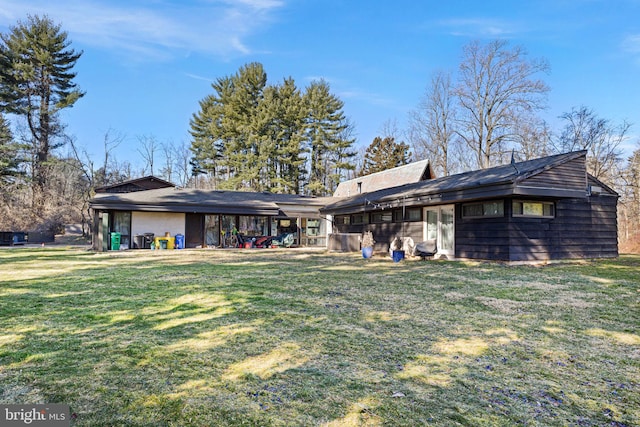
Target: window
533,209
359,219
254,225
122,225
411,214
378,217
342,220
483,209
414,214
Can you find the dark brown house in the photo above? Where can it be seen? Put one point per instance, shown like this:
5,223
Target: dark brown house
538,210
544,209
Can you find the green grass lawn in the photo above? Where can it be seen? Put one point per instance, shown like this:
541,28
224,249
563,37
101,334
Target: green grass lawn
286,337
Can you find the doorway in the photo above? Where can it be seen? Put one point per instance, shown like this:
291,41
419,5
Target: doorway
439,224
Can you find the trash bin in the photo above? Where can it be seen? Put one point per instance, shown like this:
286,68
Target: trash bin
163,243
138,241
115,241
179,241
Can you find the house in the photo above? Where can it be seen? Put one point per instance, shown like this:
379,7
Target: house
206,218
537,210
544,209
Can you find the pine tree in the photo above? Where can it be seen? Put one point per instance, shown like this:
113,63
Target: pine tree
385,154
9,156
265,138
36,82
326,124
282,112
242,150
226,136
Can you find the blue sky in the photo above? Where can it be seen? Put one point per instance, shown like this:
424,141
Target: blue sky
147,64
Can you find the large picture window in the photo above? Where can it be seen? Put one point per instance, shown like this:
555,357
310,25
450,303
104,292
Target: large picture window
533,209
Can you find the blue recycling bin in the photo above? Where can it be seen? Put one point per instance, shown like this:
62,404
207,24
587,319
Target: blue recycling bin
179,241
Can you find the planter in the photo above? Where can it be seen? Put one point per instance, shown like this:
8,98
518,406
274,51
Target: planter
367,252
397,256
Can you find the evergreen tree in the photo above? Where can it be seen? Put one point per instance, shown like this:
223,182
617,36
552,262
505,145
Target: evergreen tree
36,82
385,154
242,149
328,148
208,130
225,132
265,138
9,155
284,114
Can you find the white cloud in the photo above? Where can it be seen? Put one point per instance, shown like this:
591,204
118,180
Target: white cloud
157,30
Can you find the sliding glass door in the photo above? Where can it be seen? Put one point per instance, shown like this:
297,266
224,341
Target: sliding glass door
440,225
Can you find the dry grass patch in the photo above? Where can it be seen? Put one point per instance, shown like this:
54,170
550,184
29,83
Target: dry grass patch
289,337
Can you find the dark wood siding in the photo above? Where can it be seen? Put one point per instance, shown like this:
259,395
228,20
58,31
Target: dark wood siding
581,228
482,238
570,175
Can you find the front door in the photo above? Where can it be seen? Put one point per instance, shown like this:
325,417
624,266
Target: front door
440,225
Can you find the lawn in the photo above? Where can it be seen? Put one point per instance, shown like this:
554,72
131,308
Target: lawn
287,337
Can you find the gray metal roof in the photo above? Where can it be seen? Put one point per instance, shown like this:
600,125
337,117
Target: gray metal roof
411,173
144,183
209,201
492,182
500,181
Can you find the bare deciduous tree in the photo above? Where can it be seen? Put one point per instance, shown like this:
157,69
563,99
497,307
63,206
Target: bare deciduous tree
431,128
148,146
182,156
496,88
584,130
533,138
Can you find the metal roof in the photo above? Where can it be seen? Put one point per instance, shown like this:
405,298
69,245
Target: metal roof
144,183
492,182
406,174
500,181
209,201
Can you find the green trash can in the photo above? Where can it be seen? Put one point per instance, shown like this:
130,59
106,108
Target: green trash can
115,241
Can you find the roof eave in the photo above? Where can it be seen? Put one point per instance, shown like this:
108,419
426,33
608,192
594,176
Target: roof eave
183,208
